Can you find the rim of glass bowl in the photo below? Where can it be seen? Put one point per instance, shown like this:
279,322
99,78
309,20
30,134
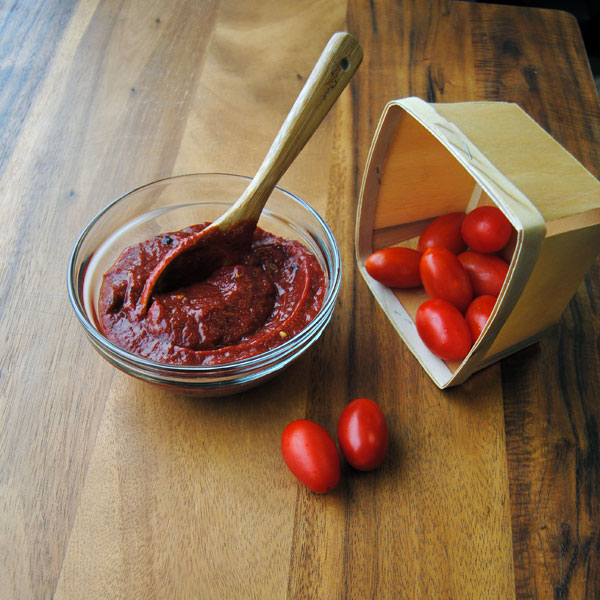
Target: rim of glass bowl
305,336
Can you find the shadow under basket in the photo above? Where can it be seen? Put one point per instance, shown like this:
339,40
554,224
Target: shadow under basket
427,160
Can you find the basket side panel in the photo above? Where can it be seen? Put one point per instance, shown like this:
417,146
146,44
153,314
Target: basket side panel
561,266
421,178
547,174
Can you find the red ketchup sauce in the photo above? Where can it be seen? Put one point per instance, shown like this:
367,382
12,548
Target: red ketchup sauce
237,312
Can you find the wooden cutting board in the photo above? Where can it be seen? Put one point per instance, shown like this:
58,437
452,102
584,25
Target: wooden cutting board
110,488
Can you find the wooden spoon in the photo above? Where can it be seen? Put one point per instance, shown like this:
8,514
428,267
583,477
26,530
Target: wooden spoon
228,238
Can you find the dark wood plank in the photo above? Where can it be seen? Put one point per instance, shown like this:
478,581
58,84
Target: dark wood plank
551,391
537,59
404,533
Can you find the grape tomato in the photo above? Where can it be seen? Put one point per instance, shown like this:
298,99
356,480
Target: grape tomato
479,313
487,272
486,229
311,455
444,277
363,434
443,329
444,232
396,267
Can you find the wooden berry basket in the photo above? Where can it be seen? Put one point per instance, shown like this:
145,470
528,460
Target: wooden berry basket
430,159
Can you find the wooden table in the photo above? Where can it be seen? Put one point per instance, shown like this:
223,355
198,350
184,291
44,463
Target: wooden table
110,488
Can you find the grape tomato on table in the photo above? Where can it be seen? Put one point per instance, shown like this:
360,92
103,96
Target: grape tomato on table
311,455
363,434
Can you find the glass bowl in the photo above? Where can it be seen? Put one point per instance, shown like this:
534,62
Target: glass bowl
171,204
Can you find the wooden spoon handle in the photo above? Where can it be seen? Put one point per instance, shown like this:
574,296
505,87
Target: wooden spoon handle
334,69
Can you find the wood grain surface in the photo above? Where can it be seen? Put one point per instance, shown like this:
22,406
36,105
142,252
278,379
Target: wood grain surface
111,488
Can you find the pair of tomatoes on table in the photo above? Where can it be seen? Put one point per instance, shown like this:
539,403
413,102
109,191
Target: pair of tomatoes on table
458,264
312,456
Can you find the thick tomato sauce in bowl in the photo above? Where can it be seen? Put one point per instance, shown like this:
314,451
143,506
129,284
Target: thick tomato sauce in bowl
229,332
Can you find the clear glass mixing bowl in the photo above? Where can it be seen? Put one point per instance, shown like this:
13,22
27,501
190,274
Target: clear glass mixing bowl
171,204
